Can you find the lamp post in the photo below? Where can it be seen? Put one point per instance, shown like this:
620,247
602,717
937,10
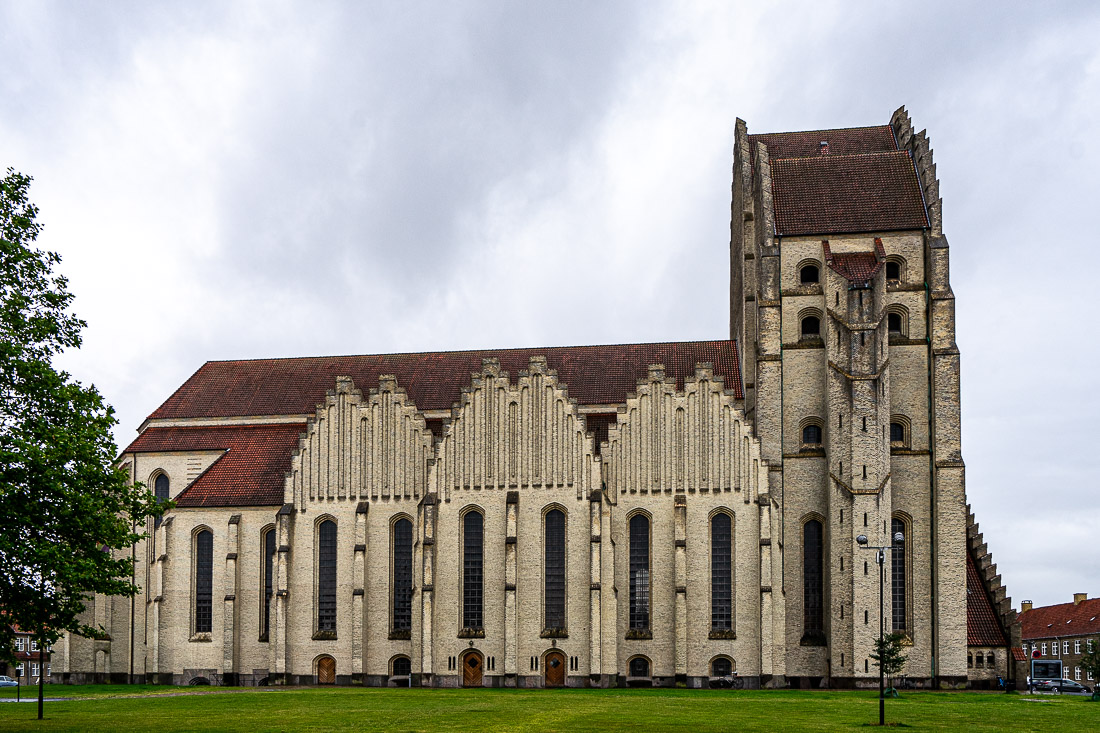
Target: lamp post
880,558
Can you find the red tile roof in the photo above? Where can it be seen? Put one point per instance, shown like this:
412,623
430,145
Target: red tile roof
249,474
844,141
1064,619
855,266
594,375
846,193
983,628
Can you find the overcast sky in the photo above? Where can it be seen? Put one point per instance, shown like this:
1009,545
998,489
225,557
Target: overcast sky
245,179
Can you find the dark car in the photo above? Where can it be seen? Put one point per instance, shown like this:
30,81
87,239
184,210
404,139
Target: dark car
1064,687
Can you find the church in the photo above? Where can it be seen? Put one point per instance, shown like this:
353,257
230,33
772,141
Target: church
632,514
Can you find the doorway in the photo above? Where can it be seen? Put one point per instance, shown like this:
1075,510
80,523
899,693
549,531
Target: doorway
554,669
326,671
471,669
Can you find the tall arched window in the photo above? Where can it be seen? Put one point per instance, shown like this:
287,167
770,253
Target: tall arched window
402,581
811,327
160,491
811,435
472,556
813,588
898,590
721,572
808,275
268,589
554,575
326,576
639,572
204,581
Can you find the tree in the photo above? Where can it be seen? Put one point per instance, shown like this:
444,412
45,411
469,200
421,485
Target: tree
66,509
1090,662
889,654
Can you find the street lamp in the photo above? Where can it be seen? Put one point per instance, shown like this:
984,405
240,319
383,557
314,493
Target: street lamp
880,558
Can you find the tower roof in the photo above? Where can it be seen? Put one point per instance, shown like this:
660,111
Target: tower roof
842,181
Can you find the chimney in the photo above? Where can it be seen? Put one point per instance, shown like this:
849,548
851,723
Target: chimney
1078,597
1025,606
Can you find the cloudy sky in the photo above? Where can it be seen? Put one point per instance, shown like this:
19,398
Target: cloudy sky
257,179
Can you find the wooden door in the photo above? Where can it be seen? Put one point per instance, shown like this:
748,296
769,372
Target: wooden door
471,669
554,667
326,671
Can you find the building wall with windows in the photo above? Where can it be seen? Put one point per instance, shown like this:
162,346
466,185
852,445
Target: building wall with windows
30,660
1064,631
600,515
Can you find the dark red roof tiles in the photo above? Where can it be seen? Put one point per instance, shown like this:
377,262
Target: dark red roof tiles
846,193
983,628
844,141
249,474
1064,619
855,266
594,375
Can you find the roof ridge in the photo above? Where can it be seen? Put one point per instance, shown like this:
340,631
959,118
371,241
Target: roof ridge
458,351
827,129
838,156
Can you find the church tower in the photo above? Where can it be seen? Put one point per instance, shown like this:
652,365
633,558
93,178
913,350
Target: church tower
843,312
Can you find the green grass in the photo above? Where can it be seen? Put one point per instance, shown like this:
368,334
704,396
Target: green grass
113,708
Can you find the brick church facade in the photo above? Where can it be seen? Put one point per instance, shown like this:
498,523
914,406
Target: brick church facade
644,514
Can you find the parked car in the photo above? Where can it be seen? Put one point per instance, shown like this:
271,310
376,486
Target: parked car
7,681
1064,687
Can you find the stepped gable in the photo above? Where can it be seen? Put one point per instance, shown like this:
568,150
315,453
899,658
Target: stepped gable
990,619
1063,619
982,626
251,471
594,375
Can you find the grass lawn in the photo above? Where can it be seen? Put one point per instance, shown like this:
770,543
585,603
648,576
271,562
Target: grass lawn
111,708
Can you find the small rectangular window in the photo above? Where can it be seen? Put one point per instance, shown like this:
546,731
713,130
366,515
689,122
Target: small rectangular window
1076,646
34,669
34,645
1044,648
19,670
1076,673
19,643
1065,647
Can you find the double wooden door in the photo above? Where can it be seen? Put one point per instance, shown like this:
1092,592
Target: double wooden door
326,671
554,669
472,669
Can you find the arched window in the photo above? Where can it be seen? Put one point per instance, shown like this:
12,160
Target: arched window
204,581
897,433
811,327
268,589
720,667
639,572
402,582
893,323
160,490
813,588
402,667
808,275
721,572
472,555
898,579
554,576
893,270
326,576
811,435
639,667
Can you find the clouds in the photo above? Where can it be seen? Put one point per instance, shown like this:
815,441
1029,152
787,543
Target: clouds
245,180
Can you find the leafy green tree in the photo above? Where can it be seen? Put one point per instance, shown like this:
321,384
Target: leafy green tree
889,654
67,511
1090,662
